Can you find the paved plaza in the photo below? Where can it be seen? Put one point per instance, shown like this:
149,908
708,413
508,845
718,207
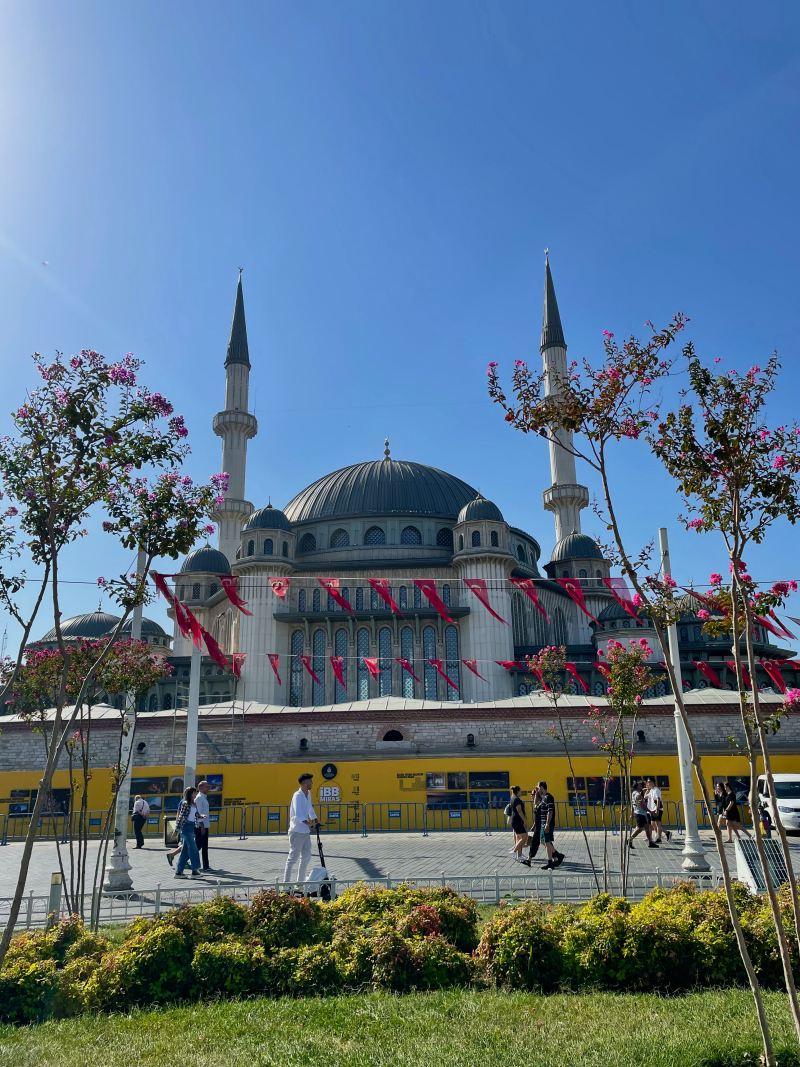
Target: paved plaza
380,855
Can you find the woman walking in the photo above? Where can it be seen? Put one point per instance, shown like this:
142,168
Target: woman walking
185,825
517,816
733,820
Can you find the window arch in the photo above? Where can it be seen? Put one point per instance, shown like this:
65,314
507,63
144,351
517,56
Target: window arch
403,601
196,591
362,649
410,535
598,574
269,547
296,670
153,703
308,543
444,538
582,574
375,536
407,652
417,597
429,652
452,666
385,661
392,735
318,664
460,542
494,539
340,538
520,553
373,600
359,599
446,594
285,548
340,649
315,600
251,548
476,539
167,701
301,600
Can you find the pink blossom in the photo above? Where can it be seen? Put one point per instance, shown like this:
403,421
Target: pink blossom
792,699
491,367
607,334
209,529
703,614
696,524
717,359
636,600
763,435
715,579
779,463
669,581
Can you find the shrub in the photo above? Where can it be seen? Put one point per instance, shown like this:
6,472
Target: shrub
283,921
27,989
520,948
360,907
70,996
314,971
219,918
458,915
592,939
63,935
383,958
153,968
88,946
231,967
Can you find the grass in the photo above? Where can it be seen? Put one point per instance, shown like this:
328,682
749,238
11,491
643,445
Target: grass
448,1029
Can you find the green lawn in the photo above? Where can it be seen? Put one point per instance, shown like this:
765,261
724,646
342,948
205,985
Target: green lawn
451,1029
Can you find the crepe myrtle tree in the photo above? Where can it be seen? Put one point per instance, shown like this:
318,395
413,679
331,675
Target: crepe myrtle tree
605,404
738,476
88,441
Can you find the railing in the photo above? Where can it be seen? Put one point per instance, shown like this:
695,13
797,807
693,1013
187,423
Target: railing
554,887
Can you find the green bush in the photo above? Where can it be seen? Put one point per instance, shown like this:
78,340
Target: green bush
283,921
27,989
231,967
383,958
220,918
73,979
360,907
153,968
592,939
63,936
88,946
520,948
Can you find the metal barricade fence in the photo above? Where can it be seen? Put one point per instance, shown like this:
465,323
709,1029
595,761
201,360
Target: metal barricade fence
381,816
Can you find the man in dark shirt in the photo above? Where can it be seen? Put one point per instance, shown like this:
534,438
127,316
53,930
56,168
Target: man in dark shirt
554,857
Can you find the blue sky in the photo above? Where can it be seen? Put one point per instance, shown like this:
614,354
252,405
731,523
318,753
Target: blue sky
389,174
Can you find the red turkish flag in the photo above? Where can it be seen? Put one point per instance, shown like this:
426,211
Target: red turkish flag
479,587
731,664
274,662
161,586
337,664
194,626
619,591
214,650
381,587
181,618
573,670
437,663
708,672
372,665
306,661
279,586
761,621
472,665
427,586
528,587
779,624
230,583
404,663
511,664
774,671
574,592
331,587
237,662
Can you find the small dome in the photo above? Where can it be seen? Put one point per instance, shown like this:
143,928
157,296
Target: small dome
480,508
576,546
206,560
613,612
268,518
98,624
149,629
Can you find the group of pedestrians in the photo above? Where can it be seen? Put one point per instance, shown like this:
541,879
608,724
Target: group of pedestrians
648,813
728,814
192,825
539,830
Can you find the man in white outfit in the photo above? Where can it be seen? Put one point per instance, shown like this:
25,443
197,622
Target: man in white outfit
301,819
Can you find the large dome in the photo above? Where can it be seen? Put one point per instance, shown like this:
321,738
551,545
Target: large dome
98,624
381,487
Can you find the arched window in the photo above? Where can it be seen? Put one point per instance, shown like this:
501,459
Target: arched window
251,548
340,649
362,649
582,574
373,600
403,601
452,666
446,594
359,599
520,553
308,543
374,536
285,548
460,542
476,539
495,540
599,689
385,661
684,633
345,594
410,535
318,663
417,597
168,702
444,538
340,538
330,603
301,600
315,600
269,547
522,690
296,670
407,652
153,705
429,652
392,735
213,589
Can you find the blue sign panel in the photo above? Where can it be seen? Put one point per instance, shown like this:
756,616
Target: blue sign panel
394,813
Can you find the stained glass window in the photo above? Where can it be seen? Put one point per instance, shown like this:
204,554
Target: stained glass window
315,600
318,663
301,600
308,543
451,661
340,649
403,601
385,661
362,649
444,538
407,652
476,539
269,547
495,539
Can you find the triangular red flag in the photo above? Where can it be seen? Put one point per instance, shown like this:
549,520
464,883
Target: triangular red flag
774,671
230,584
439,666
427,586
574,592
619,591
528,587
708,673
214,650
372,665
181,618
404,663
539,677
337,665
731,665
761,621
237,662
472,665
572,669
331,587
274,662
279,586
479,587
194,626
161,586
779,624
511,664
306,661
382,588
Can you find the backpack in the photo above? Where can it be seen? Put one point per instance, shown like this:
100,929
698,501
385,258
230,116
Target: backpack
507,812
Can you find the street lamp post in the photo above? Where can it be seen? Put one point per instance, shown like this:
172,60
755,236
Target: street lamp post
693,858
192,712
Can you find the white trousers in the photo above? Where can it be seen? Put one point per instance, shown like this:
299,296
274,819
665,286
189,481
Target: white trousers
299,848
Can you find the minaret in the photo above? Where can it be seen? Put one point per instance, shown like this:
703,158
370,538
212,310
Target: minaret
565,498
235,425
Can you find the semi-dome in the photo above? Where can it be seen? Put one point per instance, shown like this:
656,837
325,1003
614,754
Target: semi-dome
480,508
206,560
268,518
576,546
613,612
98,624
381,487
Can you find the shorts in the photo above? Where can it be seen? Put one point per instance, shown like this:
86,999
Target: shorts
641,820
547,836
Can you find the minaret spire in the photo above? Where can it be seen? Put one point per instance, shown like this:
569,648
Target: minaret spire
235,425
565,498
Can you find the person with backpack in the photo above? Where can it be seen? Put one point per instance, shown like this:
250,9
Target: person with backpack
141,809
185,827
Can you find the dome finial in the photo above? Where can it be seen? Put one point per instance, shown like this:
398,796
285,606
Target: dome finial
387,452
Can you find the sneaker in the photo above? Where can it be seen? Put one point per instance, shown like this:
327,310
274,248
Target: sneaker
668,834
526,862
548,866
652,844
179,874
197,873
630,844
170,858
208,868
559,859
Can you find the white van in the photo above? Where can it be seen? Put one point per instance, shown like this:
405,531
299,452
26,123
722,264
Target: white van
787,797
